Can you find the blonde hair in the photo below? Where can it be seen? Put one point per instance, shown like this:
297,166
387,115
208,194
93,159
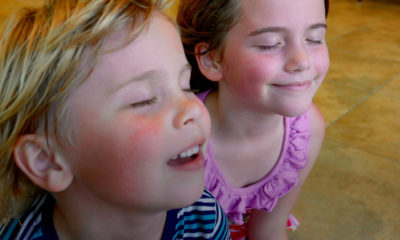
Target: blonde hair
40,60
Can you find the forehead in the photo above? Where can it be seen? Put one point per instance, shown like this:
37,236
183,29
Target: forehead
277,12
155,48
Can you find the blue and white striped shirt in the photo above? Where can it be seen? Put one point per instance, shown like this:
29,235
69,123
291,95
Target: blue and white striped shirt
204,219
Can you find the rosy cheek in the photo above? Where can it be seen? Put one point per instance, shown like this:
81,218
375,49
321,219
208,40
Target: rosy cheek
259,71
322,59
145,138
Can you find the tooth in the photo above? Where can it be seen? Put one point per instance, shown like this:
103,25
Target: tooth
196,149
190,152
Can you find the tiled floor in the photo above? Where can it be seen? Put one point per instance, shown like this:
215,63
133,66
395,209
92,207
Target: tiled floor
353,192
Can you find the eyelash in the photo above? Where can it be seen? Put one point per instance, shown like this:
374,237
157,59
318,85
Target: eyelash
269,48
145,103
314,42
154,100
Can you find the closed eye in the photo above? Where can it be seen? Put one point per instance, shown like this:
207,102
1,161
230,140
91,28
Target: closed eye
145,103
314,42
269,47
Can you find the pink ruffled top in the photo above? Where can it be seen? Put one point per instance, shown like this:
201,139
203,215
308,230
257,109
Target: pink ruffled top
280,180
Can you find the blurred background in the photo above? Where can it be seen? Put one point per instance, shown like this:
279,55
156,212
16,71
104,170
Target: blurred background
353,192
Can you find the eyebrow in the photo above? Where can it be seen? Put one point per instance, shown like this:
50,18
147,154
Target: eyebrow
318,25
281,29
147,75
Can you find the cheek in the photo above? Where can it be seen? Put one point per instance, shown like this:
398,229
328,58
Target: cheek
251,74
123,141
143,141
122,155
260,70
322,61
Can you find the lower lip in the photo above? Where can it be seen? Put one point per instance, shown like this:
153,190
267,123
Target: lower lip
193,165
294,87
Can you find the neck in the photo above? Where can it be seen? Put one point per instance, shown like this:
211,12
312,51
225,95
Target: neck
237,120
92,221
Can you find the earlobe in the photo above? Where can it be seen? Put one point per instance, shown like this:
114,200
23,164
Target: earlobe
40,164
207,62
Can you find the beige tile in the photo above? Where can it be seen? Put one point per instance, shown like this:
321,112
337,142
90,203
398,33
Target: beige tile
388,26
347,16
358,72
381,7
372,9
339,14
334,100
370,44
349,195
392,89
374,126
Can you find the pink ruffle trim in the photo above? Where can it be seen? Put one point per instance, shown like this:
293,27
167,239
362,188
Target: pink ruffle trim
265,193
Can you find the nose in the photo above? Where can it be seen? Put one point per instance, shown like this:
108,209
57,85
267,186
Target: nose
190,110
298,60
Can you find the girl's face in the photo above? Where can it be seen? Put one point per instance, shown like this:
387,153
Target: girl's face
139,130
275,58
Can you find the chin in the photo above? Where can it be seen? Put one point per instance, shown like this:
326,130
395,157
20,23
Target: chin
186,195
296,110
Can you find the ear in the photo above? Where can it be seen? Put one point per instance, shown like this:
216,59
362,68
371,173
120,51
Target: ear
40,164
207,62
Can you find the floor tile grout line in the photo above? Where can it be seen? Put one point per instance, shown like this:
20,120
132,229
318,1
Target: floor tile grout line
369,95
349,110
380,87
363,150
380,18
344,34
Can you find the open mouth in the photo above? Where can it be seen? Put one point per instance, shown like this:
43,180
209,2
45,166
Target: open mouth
185,157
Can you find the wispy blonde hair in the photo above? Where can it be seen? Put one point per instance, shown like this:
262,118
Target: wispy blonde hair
41,58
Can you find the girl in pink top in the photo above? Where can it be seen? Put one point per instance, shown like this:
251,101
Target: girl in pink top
261,62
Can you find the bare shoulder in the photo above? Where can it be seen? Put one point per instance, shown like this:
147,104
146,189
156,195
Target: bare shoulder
317,133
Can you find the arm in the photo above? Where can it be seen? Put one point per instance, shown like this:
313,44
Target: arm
264,225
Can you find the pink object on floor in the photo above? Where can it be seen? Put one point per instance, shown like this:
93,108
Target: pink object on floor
292,223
